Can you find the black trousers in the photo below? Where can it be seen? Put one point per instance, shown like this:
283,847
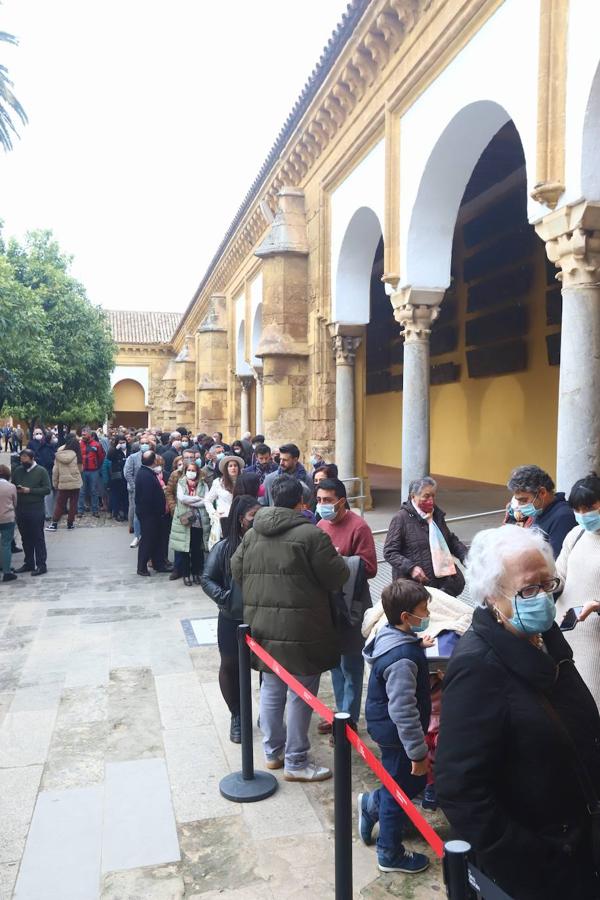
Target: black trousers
30,520
152,542
193,561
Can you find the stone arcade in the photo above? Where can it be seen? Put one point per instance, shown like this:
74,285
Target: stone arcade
383,291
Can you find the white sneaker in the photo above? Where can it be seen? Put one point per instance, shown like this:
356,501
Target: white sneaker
311,772
134,542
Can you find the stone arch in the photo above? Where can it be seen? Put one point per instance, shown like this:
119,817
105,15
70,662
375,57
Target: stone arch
137,374
241,366
590,147
350,303
428,242
256,334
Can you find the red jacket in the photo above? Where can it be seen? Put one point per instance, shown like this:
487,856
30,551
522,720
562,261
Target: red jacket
92,455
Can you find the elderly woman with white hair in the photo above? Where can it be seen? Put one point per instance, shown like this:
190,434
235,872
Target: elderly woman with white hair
518,758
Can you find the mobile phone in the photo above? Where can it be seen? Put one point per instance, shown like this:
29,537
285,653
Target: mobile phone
571,618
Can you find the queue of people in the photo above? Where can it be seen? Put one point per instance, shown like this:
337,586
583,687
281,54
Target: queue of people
516,763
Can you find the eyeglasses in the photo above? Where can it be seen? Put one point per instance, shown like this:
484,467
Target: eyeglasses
532,590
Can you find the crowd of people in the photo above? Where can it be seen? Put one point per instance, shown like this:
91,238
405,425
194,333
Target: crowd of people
511,751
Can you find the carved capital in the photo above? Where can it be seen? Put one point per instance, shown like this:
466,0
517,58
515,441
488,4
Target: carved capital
344,349
246,382
416,309
572,237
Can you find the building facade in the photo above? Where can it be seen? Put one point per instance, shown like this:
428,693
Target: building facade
412,280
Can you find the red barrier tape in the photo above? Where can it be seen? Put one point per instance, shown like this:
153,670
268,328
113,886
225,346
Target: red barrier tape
371,760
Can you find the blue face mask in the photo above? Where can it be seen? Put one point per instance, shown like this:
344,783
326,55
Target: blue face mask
422,626
144,447
589,520
534,616
528,510
314,460
220,456
185,444
327,511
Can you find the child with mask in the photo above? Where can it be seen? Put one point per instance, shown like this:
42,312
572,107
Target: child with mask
397,710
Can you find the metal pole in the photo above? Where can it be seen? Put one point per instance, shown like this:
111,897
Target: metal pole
246,786
456,876
245,703
342,791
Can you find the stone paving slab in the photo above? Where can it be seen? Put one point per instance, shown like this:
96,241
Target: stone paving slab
139,826
62,856
18,792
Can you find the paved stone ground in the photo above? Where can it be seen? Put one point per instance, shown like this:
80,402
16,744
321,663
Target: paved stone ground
113,738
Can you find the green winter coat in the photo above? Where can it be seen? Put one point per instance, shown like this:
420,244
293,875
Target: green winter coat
180,534
287,568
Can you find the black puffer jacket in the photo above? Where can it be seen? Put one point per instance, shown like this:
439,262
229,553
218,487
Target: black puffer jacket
407,546
505,771
217,582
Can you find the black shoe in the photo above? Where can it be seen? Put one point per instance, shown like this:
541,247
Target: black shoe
196,579
167,568
52,527
143,572
235,730
9,576
174,575
187,580
41,570
96,515
24,569
70,526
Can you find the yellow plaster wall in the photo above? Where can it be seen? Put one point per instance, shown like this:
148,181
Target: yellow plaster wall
481,428
128,395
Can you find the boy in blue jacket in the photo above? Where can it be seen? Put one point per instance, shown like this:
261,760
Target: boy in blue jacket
397,712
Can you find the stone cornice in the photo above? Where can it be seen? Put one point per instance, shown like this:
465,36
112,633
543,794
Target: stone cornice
146,349
321,112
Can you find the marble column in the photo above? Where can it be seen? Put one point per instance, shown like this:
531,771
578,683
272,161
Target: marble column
258,376
572,236
344,350
246,383
415,310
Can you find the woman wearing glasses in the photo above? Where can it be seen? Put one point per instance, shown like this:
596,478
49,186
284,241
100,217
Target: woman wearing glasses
518,757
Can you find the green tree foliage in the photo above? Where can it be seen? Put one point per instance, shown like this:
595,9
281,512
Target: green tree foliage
57,350
9,105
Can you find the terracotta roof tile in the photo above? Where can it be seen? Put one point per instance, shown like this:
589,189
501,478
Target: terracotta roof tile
132,327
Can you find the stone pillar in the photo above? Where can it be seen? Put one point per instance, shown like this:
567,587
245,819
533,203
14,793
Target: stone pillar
572,236
211,367
284,342
258,373
415,310
246,382
344,350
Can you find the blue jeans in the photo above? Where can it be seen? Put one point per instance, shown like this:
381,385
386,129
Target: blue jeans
91,487
347,681
7,531
381,806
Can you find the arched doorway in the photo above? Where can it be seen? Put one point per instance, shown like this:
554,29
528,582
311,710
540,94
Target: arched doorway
129,404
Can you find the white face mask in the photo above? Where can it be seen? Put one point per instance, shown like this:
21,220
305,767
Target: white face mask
38,436
121,446
191,475
157,469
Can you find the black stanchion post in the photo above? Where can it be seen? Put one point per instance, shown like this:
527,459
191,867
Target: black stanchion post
456,876
246,786
342,790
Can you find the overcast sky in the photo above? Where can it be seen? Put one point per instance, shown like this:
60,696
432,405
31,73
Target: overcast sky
148,121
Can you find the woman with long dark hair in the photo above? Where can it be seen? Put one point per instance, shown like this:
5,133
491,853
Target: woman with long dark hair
218,500
217,582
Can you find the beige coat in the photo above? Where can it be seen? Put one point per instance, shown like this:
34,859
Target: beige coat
66,474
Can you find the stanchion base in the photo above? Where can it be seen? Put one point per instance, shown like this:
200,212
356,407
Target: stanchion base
235,787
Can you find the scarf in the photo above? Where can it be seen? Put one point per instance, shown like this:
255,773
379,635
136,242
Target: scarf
441,558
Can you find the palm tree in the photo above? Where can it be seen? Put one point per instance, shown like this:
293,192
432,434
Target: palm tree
9,104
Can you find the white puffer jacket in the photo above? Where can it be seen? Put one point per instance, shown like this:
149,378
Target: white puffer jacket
66,474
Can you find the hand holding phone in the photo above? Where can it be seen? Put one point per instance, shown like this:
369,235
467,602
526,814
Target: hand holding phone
571,618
